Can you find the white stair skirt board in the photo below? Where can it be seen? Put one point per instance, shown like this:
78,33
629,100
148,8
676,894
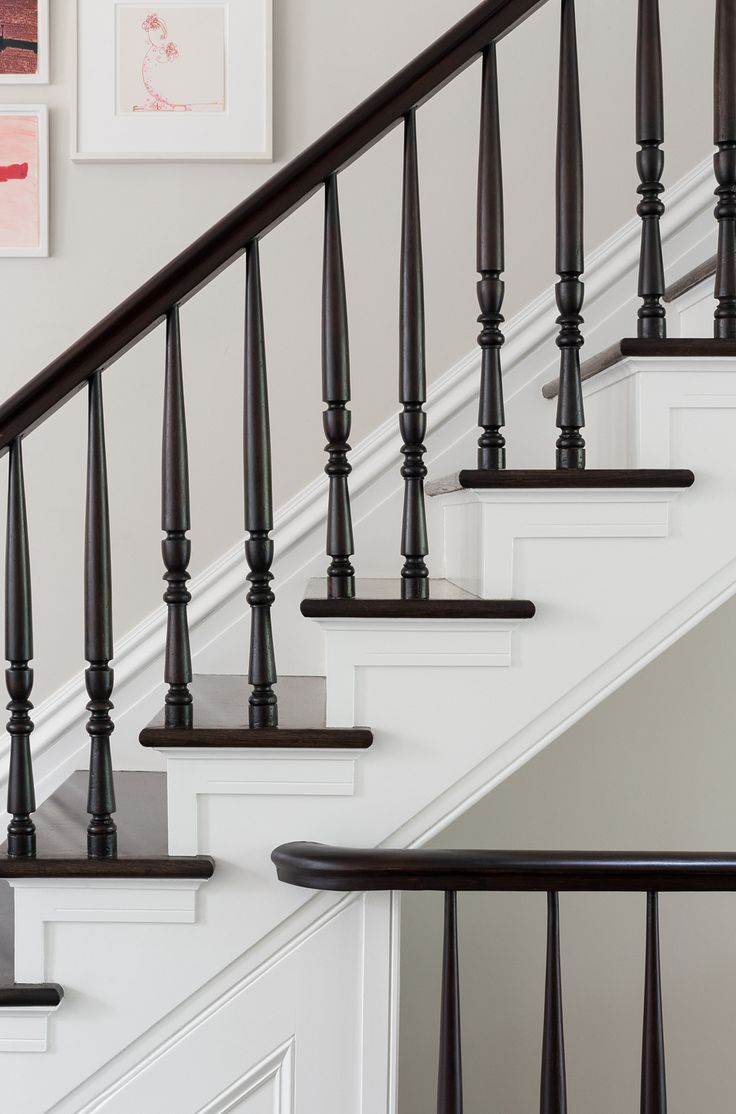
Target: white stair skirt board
307,1030
194,775
487,532
42,902
25,1029
217,611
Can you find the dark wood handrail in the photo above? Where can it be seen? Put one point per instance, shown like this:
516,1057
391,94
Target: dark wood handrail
316,866
258,214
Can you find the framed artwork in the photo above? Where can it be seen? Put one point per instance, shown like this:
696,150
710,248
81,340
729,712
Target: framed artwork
173,80
24,177
24,42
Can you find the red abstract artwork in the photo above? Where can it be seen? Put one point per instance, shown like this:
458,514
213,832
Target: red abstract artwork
16,172
18,36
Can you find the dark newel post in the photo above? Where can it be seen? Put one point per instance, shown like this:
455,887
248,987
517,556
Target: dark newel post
175,521
554,1083
725,167
263,710
570,264
336,394
19,675
491,417
650,165
450,1078
413,377
98,646
653,1083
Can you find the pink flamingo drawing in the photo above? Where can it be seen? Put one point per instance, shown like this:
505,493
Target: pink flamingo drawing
160,52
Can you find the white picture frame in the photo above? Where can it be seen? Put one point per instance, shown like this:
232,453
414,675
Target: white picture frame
41,248
105,130
41,76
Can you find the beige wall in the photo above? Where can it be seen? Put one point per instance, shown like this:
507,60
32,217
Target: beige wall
652,768
113,225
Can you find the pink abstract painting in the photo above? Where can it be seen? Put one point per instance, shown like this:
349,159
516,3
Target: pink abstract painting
19,182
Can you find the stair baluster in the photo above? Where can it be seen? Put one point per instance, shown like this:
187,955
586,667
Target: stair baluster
336,394
98,643
650,165
450,1076
570,256
554,1084
653,1081
413,377
491,264
725,168
263,707
19,675
175,522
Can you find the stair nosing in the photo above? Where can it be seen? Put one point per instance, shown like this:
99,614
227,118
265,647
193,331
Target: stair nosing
24,996
161,867
534,479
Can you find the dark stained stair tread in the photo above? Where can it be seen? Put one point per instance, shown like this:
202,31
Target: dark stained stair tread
382,599
30,995
534,478
677,348
220,718
124,866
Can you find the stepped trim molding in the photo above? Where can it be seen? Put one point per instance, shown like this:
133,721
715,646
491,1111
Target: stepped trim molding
40,902
25,1029
374,457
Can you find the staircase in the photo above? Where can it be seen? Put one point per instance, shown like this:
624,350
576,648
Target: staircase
139,958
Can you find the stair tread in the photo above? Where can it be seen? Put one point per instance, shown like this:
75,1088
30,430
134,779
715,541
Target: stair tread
382,599
30,995
61,823
124,866
675,348
220,718
535,478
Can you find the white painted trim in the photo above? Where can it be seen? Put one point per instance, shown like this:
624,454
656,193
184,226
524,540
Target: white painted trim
373,458
25,1028
43,901
193,774
277,1069
105,1086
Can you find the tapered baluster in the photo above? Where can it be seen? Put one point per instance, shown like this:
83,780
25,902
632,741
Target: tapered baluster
653,1083
175,521
19,675
98,646
570,265
491,418
263,710
450,1076
554,1084
725,167
650,164
413,376
336,394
